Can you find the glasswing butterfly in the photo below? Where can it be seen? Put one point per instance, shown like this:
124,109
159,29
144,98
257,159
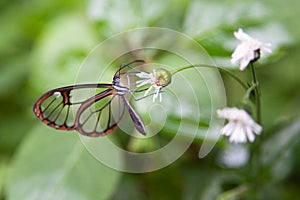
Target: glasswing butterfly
69,108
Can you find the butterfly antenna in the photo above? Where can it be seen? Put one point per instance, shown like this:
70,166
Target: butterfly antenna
122,66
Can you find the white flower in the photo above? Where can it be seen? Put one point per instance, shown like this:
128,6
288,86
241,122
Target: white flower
241,127
152,79
248,50
234,156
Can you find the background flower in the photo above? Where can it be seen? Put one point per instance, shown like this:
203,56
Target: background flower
248,50
241,127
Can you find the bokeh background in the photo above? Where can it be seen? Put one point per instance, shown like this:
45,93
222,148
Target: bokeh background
43,44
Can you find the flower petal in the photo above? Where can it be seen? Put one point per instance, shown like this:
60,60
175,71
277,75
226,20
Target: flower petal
245,51
240,127
143,75
147,91
257,128
250,134
228,129
141,83
242,36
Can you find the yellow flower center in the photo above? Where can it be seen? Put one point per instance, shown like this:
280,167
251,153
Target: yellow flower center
163,77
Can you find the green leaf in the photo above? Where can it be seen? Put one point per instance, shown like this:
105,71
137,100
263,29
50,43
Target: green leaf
288,15
115,16
3,172
12,75
62,48
209,16
53,165
13,127
277,151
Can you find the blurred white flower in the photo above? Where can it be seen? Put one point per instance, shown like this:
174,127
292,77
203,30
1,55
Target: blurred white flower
234,156
241,127
152,79
248,50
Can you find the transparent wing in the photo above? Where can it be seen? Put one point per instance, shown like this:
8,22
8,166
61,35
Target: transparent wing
101,114
57,108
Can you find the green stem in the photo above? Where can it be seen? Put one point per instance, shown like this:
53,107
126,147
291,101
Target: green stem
215,67
248,93
256,93
233,193
256,149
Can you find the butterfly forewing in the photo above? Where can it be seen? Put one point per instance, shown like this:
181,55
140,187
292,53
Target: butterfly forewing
52,109
57,108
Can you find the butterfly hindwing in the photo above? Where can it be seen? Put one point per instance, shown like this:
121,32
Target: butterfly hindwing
101,114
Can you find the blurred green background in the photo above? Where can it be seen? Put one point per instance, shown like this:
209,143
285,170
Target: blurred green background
42,45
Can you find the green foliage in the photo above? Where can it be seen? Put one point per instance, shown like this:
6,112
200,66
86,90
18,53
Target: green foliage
62,169
42,46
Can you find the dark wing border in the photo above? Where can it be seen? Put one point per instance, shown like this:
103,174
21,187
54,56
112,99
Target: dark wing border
65,92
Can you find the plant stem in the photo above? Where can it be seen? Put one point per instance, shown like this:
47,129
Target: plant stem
233,193
256,93
256,149
215,67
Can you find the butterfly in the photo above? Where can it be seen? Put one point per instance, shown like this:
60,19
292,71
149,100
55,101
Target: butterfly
69,108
